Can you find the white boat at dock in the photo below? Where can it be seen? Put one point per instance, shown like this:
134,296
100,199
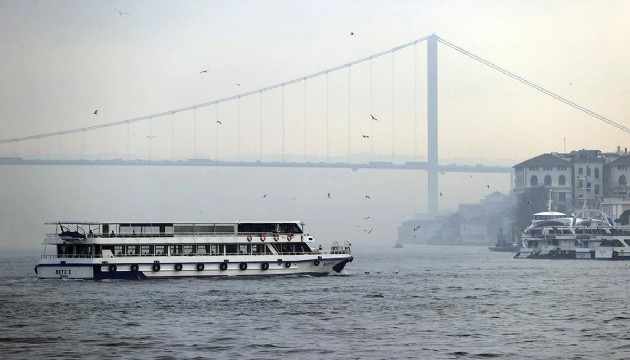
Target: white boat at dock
140,250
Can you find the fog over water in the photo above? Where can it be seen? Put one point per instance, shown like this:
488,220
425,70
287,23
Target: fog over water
33,195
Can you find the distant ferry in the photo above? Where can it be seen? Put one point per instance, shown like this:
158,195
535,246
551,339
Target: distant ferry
125,250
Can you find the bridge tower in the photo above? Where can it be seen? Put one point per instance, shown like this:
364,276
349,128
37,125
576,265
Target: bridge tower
432,123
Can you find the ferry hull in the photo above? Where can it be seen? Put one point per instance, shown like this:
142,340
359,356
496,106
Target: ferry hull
606,253
147,268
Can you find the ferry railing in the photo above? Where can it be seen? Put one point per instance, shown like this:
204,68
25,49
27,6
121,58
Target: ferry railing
267,235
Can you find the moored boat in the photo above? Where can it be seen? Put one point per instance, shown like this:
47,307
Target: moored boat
124,250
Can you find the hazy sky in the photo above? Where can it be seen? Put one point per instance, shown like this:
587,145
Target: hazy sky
61,60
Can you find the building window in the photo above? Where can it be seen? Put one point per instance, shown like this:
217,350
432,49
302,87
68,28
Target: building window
533,181
622,180
547,180
596,189
596,173
580,171
562,197
580,183
562,180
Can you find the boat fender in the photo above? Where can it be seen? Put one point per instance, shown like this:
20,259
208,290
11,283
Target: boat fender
113,268
316,263
200,267
287,265
134,267
263,238
178,267
156,267
249,238
276,237
243,266
264,266
223,266
35,269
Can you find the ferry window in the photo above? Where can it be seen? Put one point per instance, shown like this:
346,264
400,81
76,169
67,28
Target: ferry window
176,249
132,249
533,181
258,249
224,229
627,241
243,249
146,250
216,249
547,180
290,228
554,242
189,249
562,180
204,229
203,249
184,229
160,249
118,250
231,249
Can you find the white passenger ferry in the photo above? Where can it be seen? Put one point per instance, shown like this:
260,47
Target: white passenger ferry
94,250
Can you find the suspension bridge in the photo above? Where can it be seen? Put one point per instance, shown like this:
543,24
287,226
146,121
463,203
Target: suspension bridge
362,114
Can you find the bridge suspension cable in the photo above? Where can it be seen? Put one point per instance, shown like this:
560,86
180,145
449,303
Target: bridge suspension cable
537,87
213,102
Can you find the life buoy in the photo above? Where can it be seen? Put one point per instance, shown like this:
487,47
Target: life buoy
263,238
264,266
249,238
113,268
316,262
156,267
289,237
223,266
243,266
134,267
276,237
178,267
287,265
200,267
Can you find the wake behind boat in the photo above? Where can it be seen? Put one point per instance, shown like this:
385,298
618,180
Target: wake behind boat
123,250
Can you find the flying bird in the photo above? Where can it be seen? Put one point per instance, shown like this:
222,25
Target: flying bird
264,196
219,122
441,193
529,202
488,186
237,84
96,112
121,12
368,231
151,137
470,175
417,227
373,118
203,71
367,196
366,136
351,33
366,218
329,195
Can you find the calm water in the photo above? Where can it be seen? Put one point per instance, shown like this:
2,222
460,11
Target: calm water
432,302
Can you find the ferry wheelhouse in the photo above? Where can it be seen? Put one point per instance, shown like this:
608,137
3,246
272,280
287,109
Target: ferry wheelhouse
94,250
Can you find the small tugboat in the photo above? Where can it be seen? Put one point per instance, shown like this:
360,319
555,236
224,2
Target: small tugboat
127,250
503,244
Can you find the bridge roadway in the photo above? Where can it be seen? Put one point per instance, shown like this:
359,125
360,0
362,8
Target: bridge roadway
385,165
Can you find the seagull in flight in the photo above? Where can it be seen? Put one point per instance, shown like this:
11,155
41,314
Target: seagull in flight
96,112
329,195
121,12
219,122
151,137
203,71
368,231
488,186
264,196
416,228
367,196
529,202
237,84
351,33
441,193
366,136
366,218
373,118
